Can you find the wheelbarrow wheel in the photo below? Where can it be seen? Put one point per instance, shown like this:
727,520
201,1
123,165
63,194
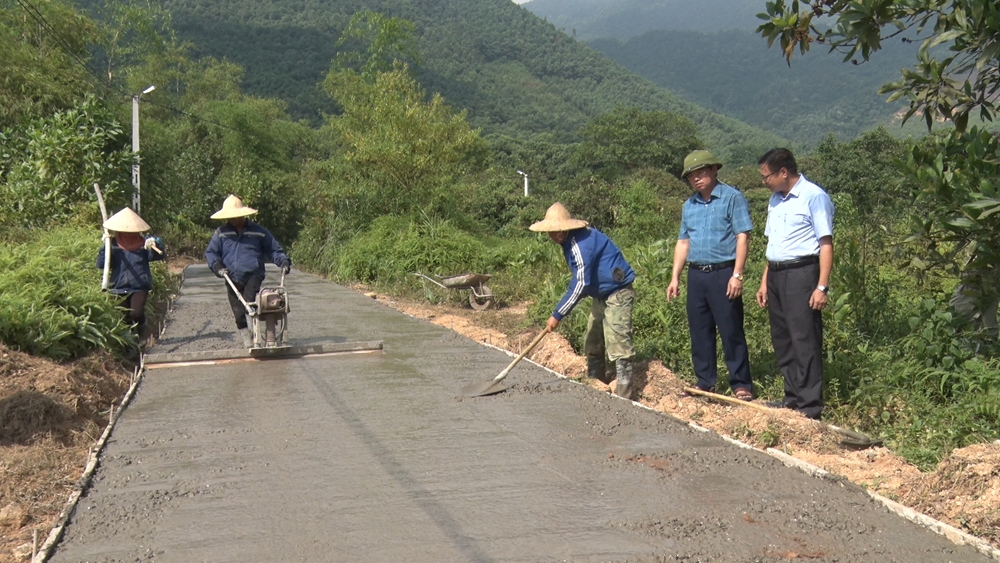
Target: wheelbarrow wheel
482,301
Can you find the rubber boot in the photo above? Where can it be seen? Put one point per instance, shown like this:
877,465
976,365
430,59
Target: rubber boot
247,338
624,369
598,369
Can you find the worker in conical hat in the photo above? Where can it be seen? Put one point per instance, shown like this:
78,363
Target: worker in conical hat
239,249
600,272
131,253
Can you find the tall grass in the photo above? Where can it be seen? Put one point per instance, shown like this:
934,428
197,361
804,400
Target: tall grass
52,301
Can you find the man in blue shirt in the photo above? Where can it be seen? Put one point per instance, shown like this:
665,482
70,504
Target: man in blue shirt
240,249
796,277
713,241
600,272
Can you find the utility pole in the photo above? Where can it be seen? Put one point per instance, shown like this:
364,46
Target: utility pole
525,182
135,148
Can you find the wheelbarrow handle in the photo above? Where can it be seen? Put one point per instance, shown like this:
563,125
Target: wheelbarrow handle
432,280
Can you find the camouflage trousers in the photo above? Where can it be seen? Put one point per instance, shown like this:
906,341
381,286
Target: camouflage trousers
609,328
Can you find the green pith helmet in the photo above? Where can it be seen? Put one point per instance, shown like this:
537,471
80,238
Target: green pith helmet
699,159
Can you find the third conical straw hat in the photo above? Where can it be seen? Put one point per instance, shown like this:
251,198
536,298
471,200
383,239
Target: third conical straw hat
126,221
557,218
233,207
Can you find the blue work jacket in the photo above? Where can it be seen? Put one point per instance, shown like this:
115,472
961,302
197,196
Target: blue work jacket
244,254
598,266
129,269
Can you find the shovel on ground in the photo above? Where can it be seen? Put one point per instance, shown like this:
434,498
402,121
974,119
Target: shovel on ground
493,386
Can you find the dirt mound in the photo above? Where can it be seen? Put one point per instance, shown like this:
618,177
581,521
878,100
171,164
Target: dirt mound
50,415
963,491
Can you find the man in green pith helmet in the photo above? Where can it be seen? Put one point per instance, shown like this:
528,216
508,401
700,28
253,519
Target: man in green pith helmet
713,242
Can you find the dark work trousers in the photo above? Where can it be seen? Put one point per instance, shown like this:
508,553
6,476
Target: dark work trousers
709,308
135,308
797,336
249,291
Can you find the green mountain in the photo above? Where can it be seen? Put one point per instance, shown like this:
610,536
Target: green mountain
516,74
706,52
591,19
734,73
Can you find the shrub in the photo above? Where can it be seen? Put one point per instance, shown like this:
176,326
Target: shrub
52,302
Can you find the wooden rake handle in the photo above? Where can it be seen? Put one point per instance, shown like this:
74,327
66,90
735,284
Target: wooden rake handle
527,351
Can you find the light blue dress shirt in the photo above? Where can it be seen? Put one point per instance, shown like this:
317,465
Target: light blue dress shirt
797,221
712,225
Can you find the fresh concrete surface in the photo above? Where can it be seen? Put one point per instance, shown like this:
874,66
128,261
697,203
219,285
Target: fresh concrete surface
376,456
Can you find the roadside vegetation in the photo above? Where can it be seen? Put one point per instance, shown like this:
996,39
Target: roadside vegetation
397,180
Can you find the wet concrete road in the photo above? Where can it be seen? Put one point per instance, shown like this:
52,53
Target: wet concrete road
377,457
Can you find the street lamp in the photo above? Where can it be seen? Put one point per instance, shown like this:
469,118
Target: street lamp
525,182
135,146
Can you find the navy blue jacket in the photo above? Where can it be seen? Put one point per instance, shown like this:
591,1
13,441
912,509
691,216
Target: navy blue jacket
598,266
129,269
244,254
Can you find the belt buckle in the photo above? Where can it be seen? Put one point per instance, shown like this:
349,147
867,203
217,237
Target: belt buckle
705,267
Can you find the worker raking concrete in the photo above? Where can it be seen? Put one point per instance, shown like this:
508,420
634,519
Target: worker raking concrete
600,272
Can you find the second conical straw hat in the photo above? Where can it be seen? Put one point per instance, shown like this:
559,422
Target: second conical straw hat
557,218
233,207
126,221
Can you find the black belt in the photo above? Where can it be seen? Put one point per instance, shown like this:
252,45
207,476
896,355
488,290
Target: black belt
793,263
712,267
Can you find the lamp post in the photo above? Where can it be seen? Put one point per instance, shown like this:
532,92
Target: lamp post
135,147
525,182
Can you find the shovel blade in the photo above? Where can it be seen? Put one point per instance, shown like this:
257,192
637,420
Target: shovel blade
483,388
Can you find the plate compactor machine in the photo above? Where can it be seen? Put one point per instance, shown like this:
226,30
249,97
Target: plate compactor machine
267,317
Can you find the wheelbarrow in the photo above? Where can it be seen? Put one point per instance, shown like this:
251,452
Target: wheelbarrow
480,294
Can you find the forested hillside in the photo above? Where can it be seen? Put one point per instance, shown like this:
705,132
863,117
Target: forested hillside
734,73
706,52
590,19
515,74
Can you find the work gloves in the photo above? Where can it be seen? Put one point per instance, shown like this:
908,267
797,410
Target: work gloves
286,267
220,270
154,243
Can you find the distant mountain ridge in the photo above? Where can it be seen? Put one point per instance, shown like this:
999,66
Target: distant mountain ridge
684,48
515,74
591,19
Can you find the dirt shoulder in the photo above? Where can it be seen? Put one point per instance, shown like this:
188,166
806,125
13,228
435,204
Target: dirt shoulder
963,491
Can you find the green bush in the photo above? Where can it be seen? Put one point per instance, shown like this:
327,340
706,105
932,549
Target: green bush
52,302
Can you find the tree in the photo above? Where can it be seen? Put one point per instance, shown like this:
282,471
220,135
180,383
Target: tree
954,87
42,69
952,176
629,139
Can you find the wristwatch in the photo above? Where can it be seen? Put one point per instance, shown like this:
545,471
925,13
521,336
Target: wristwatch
738,276
823,288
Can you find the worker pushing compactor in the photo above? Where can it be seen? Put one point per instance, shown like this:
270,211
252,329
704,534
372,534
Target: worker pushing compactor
238,251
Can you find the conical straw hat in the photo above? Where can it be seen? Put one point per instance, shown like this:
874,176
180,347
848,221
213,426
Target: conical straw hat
126,221
233,207
557,218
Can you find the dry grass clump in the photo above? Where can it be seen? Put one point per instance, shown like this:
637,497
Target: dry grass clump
50,415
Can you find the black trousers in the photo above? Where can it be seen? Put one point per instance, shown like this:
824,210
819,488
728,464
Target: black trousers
135,308
797,336
248,290
709,309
